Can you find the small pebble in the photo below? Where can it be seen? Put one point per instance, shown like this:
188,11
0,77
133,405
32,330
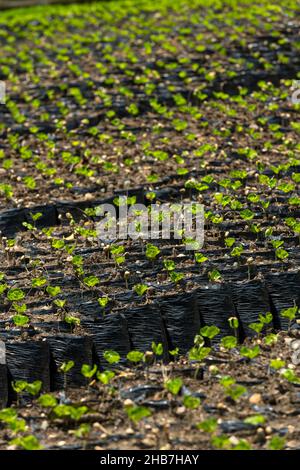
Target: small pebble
255,398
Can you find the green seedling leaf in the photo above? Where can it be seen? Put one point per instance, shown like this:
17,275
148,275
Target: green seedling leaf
15,295
289,313
277,364
250,353
140,289
135,356
270,339
19,386
67,366
88,371
26,443
174,385
152,251
198,353
34,388
112,357
257,327
191,402
91,281
209,331
208,425
106,376
137,413
20,320
157,348
38,282
229,342
200,258
256,420
47,400
53,291
276,443
169,265
73,321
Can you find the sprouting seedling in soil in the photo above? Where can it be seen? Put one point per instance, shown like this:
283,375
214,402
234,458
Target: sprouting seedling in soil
19,386
65,368
137,413
255,420
257,327
250,353
221,442
135,356
91,281
200,258
173,385
169,265
198,354
70,411
175,277
227,381
191,402
35,217
270,339
26,443
140,289
231,389
34,388
199,341
105,377
72,321
237,251
15,295
39,282
53,291
77,263
229,342
82,432
209,425
9,246
209,332
7,415
103,301
112,357
117,253
152,251
174,352
247,214
265,319
88,371
150,196
290,376
214,276
57,244
60,304
276,364
7,190
16,425
290,314
157,349
234,324
281,254
20,320
47,400
19,308
277,443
